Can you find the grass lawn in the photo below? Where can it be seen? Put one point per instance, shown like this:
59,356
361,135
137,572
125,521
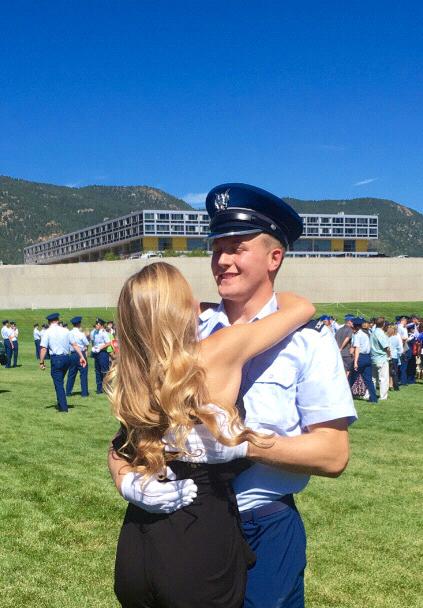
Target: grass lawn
60,515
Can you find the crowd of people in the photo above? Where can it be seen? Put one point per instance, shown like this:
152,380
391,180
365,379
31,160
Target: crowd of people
68,351
379,354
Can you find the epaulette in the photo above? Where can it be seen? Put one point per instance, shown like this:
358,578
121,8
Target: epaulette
316,324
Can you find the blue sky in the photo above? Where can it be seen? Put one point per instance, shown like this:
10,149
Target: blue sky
306,99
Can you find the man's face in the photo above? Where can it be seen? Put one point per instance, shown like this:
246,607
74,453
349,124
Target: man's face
241,265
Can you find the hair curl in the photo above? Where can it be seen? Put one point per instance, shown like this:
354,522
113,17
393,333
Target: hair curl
157,384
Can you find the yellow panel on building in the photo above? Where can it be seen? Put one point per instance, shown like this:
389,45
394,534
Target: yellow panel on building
361,245
337,245
179,243
150,243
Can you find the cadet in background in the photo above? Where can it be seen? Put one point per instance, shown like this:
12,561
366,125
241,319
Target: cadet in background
100,343
37,339
78,336
58,342
6,334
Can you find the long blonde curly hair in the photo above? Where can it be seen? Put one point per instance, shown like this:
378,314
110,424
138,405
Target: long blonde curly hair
157,384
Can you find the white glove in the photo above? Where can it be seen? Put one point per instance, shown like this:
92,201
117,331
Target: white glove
95,349
156,496
203,447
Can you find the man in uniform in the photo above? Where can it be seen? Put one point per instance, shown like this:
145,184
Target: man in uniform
6,334
78,336
56,340
298,390
15,342
37,339
100,342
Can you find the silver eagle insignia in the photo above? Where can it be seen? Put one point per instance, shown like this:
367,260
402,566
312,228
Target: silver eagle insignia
221,201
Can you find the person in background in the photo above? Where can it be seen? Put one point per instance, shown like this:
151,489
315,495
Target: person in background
414,349
343,338
100,344
403,334
78,336
6,334
334,325
362,361
15,343
396,348
37,339
58,341
379,350
110,328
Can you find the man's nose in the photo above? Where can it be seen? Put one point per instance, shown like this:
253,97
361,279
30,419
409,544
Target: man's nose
224,259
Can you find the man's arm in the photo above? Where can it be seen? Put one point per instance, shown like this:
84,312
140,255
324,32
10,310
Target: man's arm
324,450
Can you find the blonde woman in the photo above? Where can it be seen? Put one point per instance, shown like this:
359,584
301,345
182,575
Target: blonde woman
173,395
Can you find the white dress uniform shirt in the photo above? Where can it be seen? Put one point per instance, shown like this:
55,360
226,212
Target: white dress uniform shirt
362,340
37,334
6,332
299,382
15,334
56,339
78,337
99,337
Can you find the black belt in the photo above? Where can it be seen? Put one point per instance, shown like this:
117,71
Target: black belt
273,507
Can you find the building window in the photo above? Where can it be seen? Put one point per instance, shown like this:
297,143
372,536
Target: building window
373,232
350,221
349,246
148,215
163,216
338,231
337,220
178,217
373,221
325,220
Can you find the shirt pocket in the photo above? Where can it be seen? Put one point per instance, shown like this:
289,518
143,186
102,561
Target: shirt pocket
270,397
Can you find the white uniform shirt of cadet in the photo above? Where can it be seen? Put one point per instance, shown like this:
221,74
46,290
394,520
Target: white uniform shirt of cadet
299,382
56,339
37,334
402,332
362,340
77,336
15,334
6,332
100,337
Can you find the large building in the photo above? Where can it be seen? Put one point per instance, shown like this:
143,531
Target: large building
157,230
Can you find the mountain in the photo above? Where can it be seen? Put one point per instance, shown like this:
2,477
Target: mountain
32,212
400,228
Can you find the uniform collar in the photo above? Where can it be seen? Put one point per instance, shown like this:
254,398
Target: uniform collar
221,318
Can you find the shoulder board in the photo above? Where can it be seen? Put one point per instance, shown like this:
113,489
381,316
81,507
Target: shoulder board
315,324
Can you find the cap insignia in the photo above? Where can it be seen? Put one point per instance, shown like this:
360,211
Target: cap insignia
221,201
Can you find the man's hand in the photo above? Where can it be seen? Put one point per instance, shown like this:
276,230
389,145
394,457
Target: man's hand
82,361
42,365
157,496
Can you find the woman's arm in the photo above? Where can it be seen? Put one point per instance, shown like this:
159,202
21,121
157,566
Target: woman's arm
237,344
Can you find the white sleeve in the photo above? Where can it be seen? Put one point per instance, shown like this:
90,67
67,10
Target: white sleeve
323,392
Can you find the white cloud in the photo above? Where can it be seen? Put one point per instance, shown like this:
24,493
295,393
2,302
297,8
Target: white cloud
194,198
366,181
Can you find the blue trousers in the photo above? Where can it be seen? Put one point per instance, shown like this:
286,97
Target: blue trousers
15,352
405,357
59,365
74,368
102,363
365,369
8,349
37,348
277,579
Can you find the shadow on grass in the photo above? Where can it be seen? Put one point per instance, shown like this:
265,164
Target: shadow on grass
4,391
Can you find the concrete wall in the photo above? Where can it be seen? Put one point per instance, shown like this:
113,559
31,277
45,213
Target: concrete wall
320,279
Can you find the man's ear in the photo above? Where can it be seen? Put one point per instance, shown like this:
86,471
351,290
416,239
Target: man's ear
276,258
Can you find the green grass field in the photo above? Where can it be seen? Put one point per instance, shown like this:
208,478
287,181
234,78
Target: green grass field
60,515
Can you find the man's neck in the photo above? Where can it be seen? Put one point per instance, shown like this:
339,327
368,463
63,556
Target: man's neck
242,312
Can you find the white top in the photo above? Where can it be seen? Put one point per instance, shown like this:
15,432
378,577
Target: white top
15,334
56,339
362,340
6,332
36,333
78,337
297,383
99,337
